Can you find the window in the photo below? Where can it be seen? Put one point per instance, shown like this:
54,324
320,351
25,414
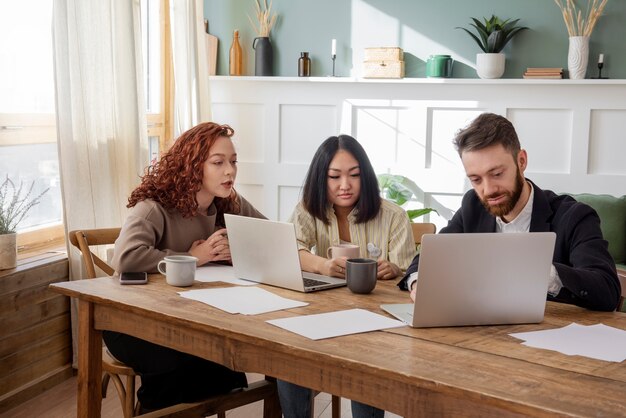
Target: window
28,142
28,149
157,73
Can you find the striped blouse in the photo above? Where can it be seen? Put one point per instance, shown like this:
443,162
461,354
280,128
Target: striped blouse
390,231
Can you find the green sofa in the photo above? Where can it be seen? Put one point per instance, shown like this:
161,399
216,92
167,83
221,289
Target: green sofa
612,212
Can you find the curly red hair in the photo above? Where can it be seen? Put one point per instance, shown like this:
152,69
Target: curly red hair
175,179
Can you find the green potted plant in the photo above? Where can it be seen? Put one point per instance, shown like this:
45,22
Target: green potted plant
401,190
492,35
13,209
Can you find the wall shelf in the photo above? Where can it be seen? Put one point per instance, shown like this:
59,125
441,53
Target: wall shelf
453,81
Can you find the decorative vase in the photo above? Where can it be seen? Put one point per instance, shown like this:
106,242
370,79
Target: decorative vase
8,251
236,54
578,57
490,65
263,56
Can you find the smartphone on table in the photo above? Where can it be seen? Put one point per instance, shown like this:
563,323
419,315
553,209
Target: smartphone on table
134,278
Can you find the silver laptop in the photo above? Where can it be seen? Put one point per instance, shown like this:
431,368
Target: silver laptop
267,252
480,279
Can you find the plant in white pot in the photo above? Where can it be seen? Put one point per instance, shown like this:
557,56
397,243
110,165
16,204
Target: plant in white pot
493,35
13,209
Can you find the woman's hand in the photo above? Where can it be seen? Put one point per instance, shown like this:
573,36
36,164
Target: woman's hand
387,270
214,248
335,267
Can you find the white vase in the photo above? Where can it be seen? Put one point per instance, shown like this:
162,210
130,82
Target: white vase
490,65
577,57
8,251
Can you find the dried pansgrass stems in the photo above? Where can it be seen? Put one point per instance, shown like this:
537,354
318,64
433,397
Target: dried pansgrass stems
577,23
264,17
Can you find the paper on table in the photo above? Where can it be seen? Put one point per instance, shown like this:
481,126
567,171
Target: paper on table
334,324
220,273
595,341
244,300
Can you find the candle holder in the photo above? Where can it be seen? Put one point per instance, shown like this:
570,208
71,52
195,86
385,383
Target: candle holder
333,58
599,77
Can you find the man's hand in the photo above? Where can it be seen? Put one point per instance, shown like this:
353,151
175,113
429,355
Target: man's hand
387,270
413,287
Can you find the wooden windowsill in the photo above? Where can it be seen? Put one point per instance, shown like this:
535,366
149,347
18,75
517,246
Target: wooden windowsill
33,257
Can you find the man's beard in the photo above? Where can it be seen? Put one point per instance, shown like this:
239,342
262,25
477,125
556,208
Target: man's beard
511,198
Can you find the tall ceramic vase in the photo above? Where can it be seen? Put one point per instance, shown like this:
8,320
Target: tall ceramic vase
578,57
263,56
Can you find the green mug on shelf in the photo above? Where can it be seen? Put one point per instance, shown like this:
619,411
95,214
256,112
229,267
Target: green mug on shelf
439,66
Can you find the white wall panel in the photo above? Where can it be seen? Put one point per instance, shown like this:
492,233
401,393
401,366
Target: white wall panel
288,198
546,134
573,131
253,194
302,129
248,121
607,142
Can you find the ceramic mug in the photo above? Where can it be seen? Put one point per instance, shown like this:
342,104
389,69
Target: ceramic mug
439,66
343,250
361,274
179,270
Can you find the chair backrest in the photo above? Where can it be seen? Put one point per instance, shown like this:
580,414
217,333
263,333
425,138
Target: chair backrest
84,238
621,274
420,229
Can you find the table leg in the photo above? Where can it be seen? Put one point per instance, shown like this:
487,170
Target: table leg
89,362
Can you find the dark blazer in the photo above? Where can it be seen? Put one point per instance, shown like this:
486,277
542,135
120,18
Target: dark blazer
581,255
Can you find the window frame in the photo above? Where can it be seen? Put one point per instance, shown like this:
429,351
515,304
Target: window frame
22,128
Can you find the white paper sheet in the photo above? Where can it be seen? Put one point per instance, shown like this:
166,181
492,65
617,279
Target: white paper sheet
220,273
244,300
595,341
334,324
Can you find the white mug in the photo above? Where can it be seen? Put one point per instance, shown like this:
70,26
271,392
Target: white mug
180,270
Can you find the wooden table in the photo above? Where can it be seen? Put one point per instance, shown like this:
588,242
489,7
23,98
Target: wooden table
464,371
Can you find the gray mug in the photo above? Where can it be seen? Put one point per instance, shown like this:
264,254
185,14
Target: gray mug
361,274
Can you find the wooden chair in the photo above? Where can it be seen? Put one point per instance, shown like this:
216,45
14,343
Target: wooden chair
114,370
621,274
420,229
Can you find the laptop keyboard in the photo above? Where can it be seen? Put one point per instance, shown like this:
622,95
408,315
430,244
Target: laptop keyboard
313,282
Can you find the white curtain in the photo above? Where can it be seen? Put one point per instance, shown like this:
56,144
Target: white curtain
101,119
192,103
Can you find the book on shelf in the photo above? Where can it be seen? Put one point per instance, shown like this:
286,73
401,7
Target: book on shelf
544,70
549,76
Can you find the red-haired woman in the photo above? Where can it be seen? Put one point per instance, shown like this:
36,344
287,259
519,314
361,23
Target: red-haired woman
179,209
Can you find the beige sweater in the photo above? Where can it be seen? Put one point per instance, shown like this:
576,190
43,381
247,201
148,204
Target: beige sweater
152,232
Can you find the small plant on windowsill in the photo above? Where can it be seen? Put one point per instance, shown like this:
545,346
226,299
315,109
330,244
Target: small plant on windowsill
14,206
400,190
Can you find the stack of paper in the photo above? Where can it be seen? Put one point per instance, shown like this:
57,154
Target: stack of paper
595,341
543,73
335,324
220,273
244,300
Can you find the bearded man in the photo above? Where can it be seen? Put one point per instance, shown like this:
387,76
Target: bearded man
503,200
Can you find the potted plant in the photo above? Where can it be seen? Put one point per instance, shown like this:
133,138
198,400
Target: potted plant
13,208
401,190
492,36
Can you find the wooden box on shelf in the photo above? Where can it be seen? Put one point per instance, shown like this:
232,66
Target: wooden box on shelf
384,54
383,62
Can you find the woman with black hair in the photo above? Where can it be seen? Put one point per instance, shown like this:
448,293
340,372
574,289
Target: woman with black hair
341,204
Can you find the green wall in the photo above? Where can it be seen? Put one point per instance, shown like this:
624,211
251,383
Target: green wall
310,26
